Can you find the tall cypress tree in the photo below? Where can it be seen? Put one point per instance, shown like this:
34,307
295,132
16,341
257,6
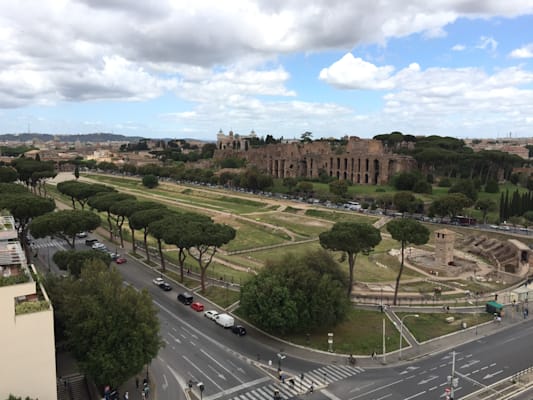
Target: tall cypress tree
502,208
514,208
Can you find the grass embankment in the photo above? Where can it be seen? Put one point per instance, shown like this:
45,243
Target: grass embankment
432,325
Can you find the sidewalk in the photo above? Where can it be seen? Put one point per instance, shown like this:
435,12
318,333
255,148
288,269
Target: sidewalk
411,350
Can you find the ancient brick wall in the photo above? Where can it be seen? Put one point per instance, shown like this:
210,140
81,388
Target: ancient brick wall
362,161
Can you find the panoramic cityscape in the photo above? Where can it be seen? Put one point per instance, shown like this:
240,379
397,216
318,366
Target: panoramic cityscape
266,200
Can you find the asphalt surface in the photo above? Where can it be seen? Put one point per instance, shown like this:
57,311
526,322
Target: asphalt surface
246,368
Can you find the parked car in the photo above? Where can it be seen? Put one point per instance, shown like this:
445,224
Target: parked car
185,298
157,281
197,306
211,314
81,235
165,286
225,320
121,260
238,330
98,246
90,242
114,256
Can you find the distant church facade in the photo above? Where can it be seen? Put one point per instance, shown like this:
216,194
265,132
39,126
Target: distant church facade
360,161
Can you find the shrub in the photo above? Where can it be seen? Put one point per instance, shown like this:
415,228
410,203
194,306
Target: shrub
150,181
445,182
492,186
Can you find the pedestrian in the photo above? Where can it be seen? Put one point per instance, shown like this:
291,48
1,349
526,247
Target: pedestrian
143,396
137,382
126,396
373,355
311,388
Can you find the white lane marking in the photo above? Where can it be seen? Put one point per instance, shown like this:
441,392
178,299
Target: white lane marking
361,387
376,389
493,374
221,366
415,395
431,378
165,383
238,388
382,397
202,372
221,376
174,337
329,394
242,371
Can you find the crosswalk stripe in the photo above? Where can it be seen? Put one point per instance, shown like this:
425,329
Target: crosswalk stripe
263,394
338,372
315,377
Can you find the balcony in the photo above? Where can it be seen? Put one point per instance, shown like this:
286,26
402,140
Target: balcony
33,302
8,230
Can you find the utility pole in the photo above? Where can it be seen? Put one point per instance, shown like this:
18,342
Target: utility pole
384,346
452,380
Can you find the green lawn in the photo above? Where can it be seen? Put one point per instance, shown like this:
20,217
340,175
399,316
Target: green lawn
224,297
215,270
359,334
431,325
251,235
366,267
300,225
336,216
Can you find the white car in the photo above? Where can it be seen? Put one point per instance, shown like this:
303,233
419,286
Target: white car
211,314
98,246
158,281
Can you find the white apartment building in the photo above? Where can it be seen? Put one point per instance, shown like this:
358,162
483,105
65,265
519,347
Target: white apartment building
27,362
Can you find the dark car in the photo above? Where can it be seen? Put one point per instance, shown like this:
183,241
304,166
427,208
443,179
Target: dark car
238,330
90,242
165,286
185,298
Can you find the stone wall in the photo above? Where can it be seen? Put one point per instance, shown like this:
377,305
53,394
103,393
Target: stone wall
361,161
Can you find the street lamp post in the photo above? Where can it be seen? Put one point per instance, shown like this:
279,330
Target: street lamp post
401,329
281,356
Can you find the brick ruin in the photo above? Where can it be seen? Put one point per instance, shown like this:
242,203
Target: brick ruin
361,161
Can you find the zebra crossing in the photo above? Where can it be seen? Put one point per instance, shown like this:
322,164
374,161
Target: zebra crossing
295,386
48,242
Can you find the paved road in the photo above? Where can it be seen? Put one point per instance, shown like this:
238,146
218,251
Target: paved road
479,363
227,365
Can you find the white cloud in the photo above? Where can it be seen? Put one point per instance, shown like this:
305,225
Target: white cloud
354,73
459,47
487,43
523,52
225,60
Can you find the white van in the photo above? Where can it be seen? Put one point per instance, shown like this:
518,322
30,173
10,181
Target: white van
225,320
353,205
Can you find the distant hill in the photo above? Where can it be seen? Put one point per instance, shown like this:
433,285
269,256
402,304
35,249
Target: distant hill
89,137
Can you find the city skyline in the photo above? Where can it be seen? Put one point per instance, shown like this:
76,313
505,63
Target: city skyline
172,69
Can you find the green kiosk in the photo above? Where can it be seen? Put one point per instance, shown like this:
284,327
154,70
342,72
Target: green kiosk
494,308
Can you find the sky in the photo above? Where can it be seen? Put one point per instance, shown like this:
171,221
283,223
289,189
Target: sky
186,69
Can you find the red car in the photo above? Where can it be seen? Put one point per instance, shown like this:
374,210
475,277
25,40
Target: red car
120,260
196,306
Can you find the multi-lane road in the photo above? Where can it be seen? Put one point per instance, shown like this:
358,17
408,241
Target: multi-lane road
231,367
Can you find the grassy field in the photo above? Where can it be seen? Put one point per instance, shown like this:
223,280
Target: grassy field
359,334
215,270
298,224
366,267
431,325
336,216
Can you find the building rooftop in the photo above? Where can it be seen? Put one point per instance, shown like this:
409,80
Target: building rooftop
8,230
